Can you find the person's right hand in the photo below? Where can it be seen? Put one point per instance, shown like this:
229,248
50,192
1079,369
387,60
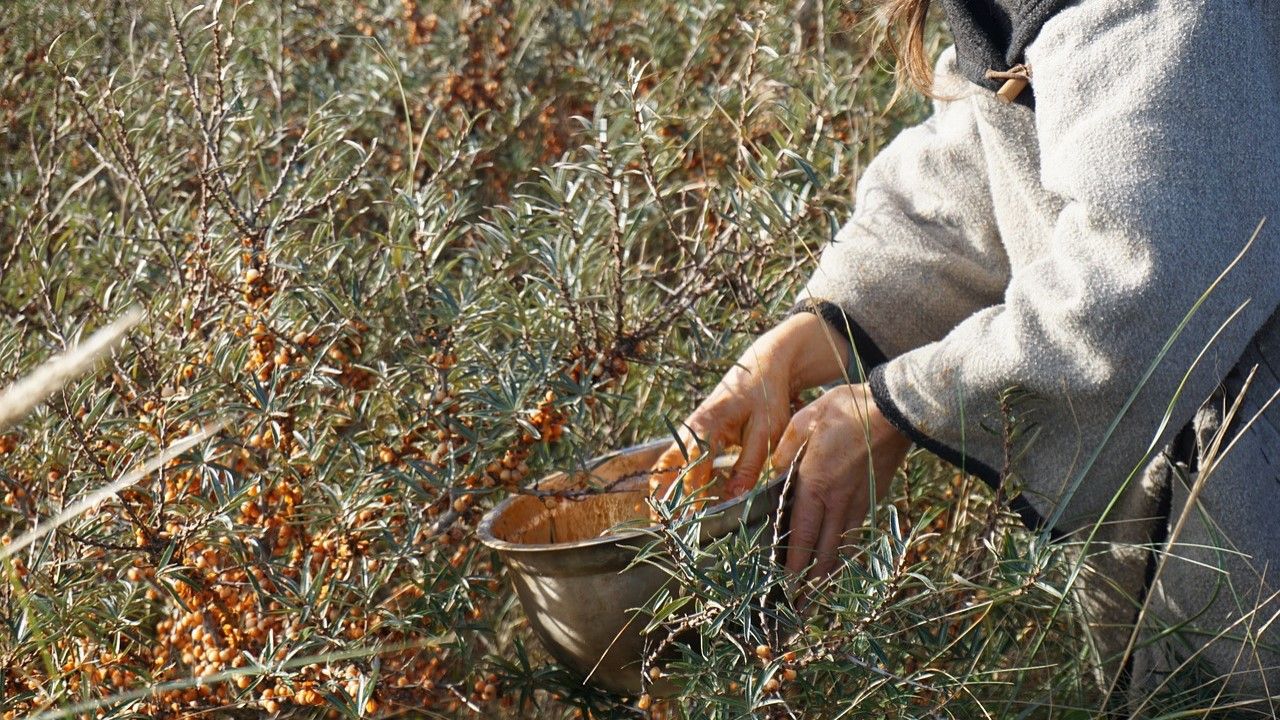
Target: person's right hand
751,405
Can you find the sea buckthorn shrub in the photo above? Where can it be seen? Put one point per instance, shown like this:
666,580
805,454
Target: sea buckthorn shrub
415,255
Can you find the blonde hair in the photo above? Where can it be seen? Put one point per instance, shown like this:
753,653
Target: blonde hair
906,40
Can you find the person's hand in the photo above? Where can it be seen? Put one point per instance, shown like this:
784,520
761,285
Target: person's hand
844,443
751,405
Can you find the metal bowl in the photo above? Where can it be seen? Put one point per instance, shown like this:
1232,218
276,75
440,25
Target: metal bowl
575,580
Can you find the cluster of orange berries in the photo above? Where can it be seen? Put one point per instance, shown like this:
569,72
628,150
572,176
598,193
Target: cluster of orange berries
511,469
256,288
12,497
421,27
362,19
488,688
508,472
209,640
785,675
344,352
442,358
257,291
8,444
604,370
555,129
548,426
87,667
548,420
19,565
655,708
476,85
262,358
930,547
447,437
222,620
273,510
271,355
187,370
841,127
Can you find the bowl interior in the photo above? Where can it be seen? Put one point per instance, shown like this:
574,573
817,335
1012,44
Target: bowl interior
549,521
611,501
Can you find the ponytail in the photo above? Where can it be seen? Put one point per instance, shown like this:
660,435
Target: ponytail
906,40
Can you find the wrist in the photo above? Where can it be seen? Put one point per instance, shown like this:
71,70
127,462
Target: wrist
806,349
881,428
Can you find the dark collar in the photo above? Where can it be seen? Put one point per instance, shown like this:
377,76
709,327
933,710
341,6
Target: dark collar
992,35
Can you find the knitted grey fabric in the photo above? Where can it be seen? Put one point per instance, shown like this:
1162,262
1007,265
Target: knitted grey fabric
1049,256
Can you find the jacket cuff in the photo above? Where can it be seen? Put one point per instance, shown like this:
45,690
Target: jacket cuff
897,417
865,355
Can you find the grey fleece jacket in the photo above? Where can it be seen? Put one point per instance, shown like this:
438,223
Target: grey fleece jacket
1049,257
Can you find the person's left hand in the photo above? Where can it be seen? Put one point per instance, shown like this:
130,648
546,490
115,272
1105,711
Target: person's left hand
847,443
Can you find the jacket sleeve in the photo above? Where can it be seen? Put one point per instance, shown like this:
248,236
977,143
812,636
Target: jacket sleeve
921,251
1166,156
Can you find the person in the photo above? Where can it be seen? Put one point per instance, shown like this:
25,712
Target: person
1064,282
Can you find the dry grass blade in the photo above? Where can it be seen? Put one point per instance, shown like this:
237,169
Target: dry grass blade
22,396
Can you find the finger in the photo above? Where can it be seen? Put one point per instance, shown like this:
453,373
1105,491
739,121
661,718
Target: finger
872,490
664,470
792,440
806,522
755,448
682,451
852,526
826,557
691,466
699,472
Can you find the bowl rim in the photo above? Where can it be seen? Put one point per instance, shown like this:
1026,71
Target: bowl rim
484,530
